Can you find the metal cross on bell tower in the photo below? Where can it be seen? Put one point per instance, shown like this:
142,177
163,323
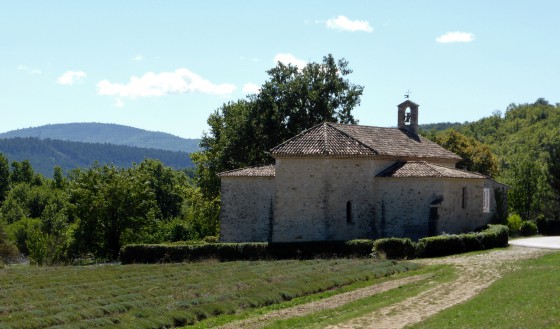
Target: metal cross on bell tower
407,94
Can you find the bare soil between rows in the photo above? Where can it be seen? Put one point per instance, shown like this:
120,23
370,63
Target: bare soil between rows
475,273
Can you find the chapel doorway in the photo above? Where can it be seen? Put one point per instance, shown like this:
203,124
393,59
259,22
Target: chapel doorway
432,221
434,218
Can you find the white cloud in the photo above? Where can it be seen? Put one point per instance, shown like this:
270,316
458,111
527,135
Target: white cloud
342,23
137,58
151,84
28,70
70,77
289,59
251,88
455,37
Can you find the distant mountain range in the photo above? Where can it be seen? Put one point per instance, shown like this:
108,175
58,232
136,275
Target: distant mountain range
80,145
107,133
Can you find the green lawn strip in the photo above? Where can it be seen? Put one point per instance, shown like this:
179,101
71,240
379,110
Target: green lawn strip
169,294
256,312
320,319
526,298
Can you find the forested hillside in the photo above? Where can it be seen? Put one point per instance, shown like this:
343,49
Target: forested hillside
45,154
523,130
108,133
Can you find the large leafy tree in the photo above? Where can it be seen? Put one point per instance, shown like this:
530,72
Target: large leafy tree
476,156
529,189
110,204
290,101
553,166
4,178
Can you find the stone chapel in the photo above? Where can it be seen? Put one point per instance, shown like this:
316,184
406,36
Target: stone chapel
342,182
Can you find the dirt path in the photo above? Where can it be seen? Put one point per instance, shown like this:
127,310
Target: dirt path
475,273
323,304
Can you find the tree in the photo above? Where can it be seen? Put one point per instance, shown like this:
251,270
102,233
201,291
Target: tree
476,156
4,178
292,100
58,178
529,189
553,168
113,206
166,184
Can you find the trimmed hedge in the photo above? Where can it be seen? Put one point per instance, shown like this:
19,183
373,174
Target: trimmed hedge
395,248
172,253
494,236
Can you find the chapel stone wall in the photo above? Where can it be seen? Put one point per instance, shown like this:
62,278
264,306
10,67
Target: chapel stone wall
246,208
404,206
325,199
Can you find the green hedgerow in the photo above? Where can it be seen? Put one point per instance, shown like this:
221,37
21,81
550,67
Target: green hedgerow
394,248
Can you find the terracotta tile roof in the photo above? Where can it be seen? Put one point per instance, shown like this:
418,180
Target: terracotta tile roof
413,169
264,171
331,139
322,140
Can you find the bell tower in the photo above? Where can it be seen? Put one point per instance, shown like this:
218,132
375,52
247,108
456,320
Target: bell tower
408,116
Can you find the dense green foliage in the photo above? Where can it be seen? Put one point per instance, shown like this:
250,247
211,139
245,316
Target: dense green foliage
476,156
525,139
528,228
495,236
292,100
168,295
93,212
526,142
46,154
149,253
105,133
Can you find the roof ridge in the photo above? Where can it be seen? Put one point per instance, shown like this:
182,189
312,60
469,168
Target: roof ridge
352,137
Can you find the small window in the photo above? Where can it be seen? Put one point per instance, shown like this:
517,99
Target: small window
486,200
349,214
464,198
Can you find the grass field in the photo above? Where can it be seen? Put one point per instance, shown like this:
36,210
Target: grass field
526,298
167,295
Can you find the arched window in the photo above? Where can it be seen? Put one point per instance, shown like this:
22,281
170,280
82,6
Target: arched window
349,214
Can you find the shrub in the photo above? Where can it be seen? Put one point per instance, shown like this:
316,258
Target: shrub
358,248
395,248
528,228
514,223
211,239
8,252
548,226
496,236
441,245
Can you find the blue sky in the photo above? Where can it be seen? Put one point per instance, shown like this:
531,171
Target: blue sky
166,65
